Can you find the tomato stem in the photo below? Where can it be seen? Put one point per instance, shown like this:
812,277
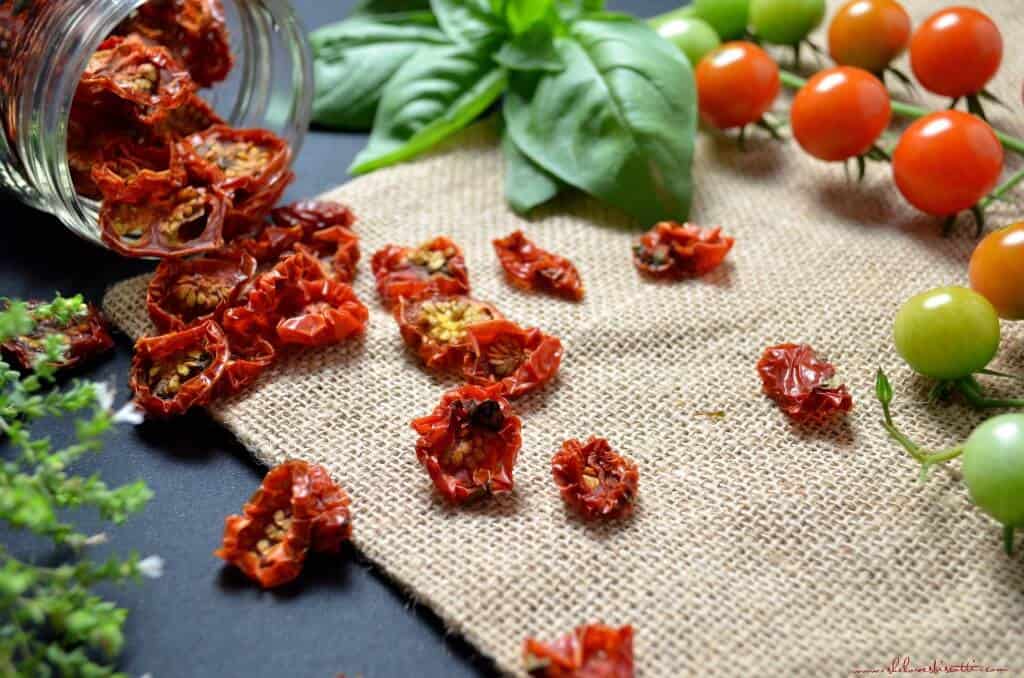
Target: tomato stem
927,459
1008,539
1002,189
970,389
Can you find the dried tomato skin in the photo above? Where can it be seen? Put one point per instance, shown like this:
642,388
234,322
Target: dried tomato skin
314,215
676,251
531,268
412,316
153,236
86,338
590,651
224,274
330,313
501,352
398,276
338,245
249,209
133,172
332,525
206,338
262,157
171,124
108,71
483,422
247,362
594,480
793,376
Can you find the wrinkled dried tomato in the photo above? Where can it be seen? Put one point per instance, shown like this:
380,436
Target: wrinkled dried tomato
469,444
531,268
437,328
136,72
133,172
249,209
189,221
86,336
672,250
329,312
170,124
314,215
94,135
247,362
590,651
338,250
435,267
235,159
186,291
595,480
794,377
521,360
175,372
332,524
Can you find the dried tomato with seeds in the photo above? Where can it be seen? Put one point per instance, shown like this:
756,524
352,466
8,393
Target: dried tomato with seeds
235,159
676,251
437,328
170,124
86,336
133,172
595,480
469,444
136,72
249,358
332,524
531,268
314,215
435,267
187,291
501,352
175,372
590,651
189,221
329,312
249,209
794,377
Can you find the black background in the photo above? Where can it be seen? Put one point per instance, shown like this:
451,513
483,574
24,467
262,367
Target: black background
202,619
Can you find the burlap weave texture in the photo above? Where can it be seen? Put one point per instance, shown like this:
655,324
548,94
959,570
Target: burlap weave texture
758,547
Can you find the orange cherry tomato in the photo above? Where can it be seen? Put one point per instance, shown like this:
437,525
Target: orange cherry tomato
868,34
997,270
946,162
956,51
840,113
736,84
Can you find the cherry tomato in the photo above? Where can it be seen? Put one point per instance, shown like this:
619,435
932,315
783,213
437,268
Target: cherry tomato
997,270
785,22
840,113
868,34
993,467
736,84
956,51
946,162
695,37
947,332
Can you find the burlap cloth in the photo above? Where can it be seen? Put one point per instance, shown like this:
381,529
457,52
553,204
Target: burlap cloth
758,547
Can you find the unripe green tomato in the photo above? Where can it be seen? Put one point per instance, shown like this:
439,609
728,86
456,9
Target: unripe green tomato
947,332
695,37
993,468
727,17
785,22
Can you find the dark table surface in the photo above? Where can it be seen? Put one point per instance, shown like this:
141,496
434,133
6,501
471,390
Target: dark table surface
201,619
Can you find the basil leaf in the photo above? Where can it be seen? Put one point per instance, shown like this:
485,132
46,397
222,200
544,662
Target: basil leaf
531,51
570,10
430,97
618,122
375,7
467,21
521,15
354,59
527,185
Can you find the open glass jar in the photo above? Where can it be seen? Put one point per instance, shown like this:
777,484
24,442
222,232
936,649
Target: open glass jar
45,46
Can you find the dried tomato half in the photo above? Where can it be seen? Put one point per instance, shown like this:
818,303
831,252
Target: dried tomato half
186,291
170,124
235,159
314,215
136,72
435,267
590,651
325,312
86,336
172,373
249,208
338,251
133,172
437,328
332,524
188,221
521,360
595,480
249,358
531,268
469,444
794,377
672,250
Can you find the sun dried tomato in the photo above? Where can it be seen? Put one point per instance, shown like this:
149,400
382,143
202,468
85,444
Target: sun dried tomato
249,209
136,72
247,362
332,524
521,360
329,312
93,135
794,377
269,243
187,291
590,651
235,159
437,328
595,480
170,124
314,215
672,250
86,336
174,372
132,172
469,444
189,221
531,268
435,267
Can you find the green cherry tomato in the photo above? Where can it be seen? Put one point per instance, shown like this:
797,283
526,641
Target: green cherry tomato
947,332
785,22
695,37
993,468
727,17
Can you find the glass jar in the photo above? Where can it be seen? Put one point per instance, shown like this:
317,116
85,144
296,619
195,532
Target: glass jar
45,48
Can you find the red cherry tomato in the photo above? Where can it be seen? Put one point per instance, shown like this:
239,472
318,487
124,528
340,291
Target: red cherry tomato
956,51
736,84
840,113
997,270
868,34
946,162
